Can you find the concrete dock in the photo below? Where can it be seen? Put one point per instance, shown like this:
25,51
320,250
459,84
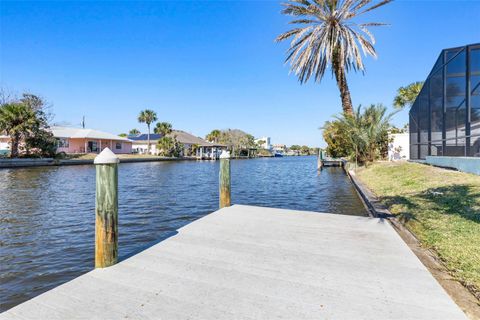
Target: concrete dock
246,262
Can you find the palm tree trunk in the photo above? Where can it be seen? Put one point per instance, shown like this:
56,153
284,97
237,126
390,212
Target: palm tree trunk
15,141
341,78
148,138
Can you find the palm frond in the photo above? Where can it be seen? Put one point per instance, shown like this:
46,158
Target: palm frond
381,3
327,31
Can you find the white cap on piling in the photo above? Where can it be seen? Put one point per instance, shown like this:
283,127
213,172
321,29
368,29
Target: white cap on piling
225,154
106,157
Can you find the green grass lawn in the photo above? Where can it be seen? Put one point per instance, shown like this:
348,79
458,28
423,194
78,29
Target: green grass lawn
442,208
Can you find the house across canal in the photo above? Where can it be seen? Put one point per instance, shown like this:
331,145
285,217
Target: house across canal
192,145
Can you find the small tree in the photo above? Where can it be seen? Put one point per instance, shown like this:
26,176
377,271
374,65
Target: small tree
169,146
305,150
362,135
213,136
41,142
134,132
26,120
16,119
147,116
338,144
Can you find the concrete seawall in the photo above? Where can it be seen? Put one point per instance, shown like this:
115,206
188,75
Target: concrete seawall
22,163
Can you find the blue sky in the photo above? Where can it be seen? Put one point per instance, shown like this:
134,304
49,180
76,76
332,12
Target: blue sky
210,64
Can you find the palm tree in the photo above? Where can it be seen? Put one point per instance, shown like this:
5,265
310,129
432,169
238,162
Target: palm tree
213,136
406,95
367,132
134,132
328,35
16,119
163,128
147,116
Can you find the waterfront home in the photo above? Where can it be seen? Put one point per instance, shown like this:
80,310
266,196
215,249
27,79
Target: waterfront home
140,143
193,146
4,145
264,142
79,140
201,148
280,148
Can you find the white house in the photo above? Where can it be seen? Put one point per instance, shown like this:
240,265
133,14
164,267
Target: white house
399,146
202,148
265,143
4,145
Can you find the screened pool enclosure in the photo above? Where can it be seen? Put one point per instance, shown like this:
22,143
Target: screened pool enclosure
445,118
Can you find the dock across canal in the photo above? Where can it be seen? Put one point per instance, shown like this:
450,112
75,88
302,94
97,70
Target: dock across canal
245,262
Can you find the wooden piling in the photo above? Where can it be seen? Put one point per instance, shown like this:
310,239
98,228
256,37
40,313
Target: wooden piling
224,179
319,160
106,209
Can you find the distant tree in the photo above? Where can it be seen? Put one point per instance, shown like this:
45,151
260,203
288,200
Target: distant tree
134,132
329,35
26,120
193,149
123,135
147,116
40,141
213,136
41,108
163,128
295,147
305,150
338,143
16,118
38,138
237,141
260,144
406,95
169,146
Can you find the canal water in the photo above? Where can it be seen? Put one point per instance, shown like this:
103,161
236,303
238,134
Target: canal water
47,213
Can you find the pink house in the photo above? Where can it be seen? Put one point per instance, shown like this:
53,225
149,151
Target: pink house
78,140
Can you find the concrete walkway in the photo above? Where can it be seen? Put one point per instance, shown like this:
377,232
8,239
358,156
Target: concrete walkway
258,263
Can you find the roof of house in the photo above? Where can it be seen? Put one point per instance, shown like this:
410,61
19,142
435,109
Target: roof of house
144,137
70,132
181,136
187,138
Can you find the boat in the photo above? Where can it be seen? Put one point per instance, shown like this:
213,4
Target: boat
278,155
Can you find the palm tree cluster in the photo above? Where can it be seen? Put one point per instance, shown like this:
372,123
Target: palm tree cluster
213,136
329,35
163,128
362,136
170,146
167,145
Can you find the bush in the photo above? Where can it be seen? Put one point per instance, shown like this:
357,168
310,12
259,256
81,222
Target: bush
362,137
